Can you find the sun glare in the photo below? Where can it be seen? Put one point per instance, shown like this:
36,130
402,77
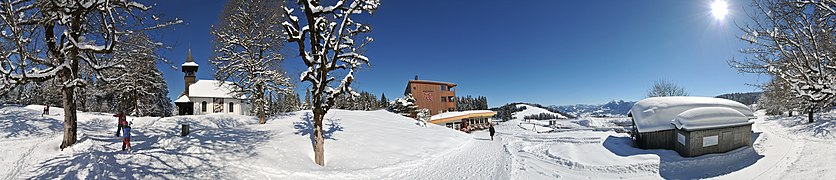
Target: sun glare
719,8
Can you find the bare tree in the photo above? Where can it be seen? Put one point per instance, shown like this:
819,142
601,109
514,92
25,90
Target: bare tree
328,40
48,39
793,41
248,43
777,98
664,88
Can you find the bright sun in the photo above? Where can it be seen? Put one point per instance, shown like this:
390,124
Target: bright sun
719,8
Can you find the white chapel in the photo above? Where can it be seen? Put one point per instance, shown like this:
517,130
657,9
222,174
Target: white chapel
207,96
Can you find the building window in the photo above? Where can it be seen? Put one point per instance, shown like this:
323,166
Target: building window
203,106
443,99
230,107
451,98
443,87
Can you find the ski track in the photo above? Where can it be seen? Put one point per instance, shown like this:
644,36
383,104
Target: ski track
21,162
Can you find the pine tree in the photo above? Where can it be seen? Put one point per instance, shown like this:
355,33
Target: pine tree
384,102
141,89
405,106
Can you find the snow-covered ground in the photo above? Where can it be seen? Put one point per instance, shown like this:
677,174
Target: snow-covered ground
532,110
382,145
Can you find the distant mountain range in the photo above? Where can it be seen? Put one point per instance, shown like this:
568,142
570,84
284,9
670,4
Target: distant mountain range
616,108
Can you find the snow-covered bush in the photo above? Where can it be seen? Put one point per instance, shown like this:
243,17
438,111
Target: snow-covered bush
404,106
423,116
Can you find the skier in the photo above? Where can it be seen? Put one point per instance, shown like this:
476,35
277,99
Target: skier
126,136
46,110
122,122
491,130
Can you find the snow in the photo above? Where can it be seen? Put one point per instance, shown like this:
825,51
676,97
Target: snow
182,99
533,110
458,113
383,145
210,88
708,118
656,113
189,64
359,145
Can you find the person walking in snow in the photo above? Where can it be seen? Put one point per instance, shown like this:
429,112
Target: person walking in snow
46,110
491,130
126,136
122,121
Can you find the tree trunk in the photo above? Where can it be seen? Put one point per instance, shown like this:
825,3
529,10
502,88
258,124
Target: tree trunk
810,116
261,104
319,139
68,75
790,113
70,124
136,105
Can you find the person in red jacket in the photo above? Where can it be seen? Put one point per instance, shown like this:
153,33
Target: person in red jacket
122,122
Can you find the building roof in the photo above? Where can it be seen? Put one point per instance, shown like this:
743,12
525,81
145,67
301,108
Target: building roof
189,60
189,64
432,82
709,118
408,90
210,88
459,115
182,99
657,113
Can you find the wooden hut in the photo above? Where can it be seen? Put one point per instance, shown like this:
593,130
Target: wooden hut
711,130
652,118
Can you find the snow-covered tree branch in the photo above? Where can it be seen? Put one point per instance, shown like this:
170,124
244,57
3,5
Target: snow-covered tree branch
328,39
793,41
48,39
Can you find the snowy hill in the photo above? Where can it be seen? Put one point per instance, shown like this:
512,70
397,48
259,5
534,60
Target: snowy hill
533,110
615,108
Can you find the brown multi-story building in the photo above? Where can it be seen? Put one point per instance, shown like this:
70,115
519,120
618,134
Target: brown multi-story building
437,96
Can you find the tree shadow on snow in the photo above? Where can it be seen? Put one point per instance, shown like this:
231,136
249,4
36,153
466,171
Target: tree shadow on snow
821,128
306,127
158,153
674,166
18,122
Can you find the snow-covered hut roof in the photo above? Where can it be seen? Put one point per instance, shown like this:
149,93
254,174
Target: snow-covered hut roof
458,115
656,113
708,118
182,99
210,88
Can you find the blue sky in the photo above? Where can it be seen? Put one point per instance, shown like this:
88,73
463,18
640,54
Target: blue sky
547,52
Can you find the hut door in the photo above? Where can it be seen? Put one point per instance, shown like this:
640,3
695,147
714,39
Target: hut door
726,141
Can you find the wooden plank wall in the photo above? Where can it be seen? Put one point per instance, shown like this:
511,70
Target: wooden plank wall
734,137
656,140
